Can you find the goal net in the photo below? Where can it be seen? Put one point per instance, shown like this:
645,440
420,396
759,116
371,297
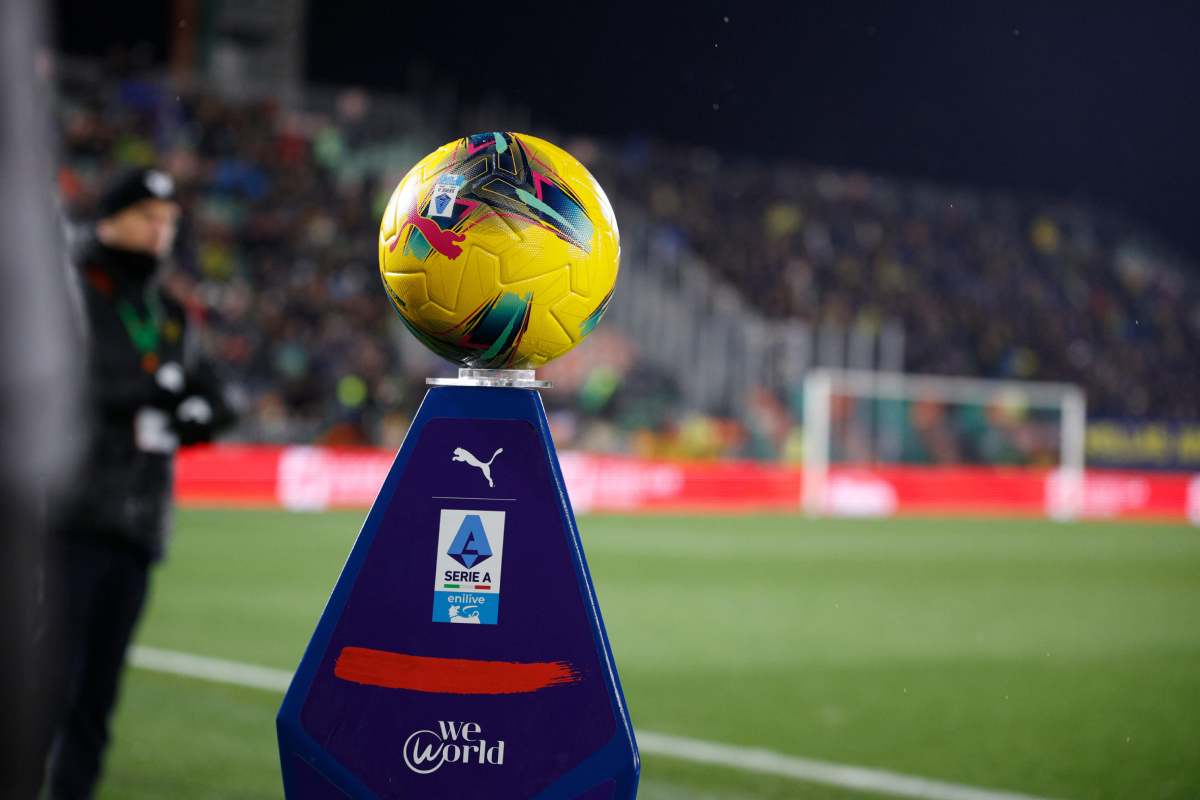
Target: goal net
859,421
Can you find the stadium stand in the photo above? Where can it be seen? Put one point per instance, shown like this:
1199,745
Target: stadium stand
282,206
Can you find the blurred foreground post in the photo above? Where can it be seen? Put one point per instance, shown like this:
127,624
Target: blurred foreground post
38,374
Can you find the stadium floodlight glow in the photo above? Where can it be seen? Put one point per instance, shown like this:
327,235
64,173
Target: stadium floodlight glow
827,392
462,650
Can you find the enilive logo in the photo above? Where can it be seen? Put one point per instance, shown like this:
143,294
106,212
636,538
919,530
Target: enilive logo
452,743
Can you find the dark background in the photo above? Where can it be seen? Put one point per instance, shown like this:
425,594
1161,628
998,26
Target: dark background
1089,101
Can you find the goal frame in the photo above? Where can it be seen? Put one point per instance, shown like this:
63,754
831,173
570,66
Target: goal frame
820,385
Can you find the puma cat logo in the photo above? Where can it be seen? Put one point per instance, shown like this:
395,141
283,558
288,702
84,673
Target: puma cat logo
465,455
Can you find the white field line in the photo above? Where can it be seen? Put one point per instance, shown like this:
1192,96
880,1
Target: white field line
768,762
746,759
210,669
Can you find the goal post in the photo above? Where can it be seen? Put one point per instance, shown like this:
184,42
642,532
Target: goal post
864,418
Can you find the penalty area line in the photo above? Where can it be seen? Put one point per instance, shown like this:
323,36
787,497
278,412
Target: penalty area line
744,759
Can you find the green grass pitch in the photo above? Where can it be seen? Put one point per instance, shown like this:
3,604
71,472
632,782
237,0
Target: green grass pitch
1057,660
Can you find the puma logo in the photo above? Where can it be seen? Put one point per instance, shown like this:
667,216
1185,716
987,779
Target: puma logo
464,455
444,241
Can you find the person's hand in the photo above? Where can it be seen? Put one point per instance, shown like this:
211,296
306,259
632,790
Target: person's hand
193,420
153,432
195,410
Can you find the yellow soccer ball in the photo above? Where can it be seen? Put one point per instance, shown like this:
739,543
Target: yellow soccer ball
499,251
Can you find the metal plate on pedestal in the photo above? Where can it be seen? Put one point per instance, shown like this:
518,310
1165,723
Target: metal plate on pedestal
511,378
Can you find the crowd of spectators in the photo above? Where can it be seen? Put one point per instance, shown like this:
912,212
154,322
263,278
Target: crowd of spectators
278,260
993,285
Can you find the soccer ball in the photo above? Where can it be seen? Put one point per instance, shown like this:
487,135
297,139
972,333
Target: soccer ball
499,250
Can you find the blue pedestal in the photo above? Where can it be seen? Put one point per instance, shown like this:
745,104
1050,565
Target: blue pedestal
462,652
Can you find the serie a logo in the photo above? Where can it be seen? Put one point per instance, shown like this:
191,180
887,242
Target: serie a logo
425,751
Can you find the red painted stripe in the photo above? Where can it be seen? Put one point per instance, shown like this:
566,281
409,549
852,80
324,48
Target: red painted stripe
449,675
482,586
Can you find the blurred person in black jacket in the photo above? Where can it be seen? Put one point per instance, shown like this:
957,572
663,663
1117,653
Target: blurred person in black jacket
147,391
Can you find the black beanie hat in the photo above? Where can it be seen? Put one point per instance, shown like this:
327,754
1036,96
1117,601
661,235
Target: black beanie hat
133,187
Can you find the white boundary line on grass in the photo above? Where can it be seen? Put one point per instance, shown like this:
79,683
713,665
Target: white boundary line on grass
210,669
746,759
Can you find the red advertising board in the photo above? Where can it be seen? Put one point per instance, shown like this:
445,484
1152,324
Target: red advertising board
313,478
